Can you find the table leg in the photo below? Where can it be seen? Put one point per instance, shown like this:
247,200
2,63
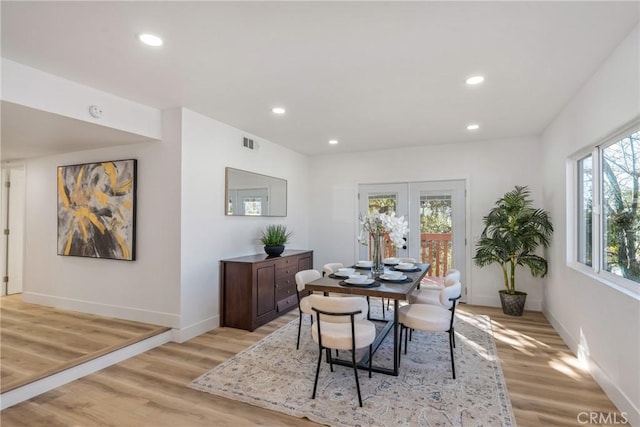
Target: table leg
396,354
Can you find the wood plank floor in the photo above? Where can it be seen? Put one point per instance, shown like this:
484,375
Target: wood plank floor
38,341
545,384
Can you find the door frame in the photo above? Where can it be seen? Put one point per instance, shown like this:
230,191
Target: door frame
466,245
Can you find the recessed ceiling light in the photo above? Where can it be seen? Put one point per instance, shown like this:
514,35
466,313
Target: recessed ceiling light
333,141
473,126
278,110
474,80
150,40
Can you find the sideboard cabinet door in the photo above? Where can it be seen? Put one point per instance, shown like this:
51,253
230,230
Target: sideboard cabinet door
256,289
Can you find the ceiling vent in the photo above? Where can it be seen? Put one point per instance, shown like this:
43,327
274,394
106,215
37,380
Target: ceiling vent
249,143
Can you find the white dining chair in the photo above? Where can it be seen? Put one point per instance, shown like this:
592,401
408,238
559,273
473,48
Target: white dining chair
302,278
341,324
437,283
431,294
432,318
331,268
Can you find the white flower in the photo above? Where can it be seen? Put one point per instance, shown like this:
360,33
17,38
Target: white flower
378,224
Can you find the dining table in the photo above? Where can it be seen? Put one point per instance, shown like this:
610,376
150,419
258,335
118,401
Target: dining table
393,290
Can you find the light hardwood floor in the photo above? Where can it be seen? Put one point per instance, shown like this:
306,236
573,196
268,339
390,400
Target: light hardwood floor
545,384
37,341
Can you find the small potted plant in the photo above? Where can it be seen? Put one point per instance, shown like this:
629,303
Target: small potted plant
513,230
274,237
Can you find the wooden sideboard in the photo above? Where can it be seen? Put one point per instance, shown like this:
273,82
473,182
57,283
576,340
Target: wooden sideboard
257,288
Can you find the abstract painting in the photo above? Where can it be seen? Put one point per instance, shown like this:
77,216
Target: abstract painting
97,210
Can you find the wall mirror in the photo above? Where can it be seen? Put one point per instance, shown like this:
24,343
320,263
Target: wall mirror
253,194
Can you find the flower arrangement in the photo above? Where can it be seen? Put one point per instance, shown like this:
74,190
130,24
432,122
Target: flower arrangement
378,224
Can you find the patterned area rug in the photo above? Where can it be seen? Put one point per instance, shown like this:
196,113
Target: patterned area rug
272,374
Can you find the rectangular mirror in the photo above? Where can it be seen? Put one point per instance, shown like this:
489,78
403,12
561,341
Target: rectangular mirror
253,194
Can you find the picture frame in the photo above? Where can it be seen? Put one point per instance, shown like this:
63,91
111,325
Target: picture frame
97,209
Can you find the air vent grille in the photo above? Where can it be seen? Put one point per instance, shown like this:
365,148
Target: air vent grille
248,143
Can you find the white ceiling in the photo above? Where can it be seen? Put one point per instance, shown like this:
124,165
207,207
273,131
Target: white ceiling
370,74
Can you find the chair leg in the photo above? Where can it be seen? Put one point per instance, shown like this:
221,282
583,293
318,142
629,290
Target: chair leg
407,332
453,334
453,365
400,345
383,316
370,357
299,328
355,372
329,359
315,383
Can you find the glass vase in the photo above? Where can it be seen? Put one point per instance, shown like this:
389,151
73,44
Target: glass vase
377,267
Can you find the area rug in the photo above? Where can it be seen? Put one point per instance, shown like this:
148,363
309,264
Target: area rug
272,374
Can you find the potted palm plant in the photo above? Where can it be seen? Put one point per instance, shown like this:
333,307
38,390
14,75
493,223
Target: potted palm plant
513,231
273,237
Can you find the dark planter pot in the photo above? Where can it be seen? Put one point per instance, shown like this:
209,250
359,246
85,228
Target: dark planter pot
513,304
274,250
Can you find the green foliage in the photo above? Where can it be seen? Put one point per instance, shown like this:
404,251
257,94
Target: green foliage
435,216
275,235
513,230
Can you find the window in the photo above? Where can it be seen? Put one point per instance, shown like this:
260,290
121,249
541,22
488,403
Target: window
608,209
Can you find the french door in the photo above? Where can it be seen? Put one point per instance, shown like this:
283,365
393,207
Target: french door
437,220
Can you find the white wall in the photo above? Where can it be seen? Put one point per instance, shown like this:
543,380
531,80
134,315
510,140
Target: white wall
490,168
208,236
592,318
147,289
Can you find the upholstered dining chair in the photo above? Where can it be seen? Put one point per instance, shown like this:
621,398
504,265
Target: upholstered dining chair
437,283
302,278
432,318
341,324
431,294
331,268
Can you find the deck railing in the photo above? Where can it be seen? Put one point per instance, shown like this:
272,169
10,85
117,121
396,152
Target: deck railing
435,248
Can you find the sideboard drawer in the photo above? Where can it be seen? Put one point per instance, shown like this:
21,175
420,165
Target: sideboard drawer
287,303
283,292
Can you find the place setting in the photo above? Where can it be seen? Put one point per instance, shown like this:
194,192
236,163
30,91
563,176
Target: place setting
343,273
359,280
394,277
408,267
363,265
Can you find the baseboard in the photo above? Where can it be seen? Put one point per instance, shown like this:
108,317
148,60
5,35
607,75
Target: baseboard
619,398
36,388
185,334
127,313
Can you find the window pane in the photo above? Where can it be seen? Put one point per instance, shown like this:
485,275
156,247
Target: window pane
435,232
621,218
252,206
585,203
383,203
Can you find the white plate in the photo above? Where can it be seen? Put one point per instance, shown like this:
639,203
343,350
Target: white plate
395,279
404,267
366,282
340,274
391,261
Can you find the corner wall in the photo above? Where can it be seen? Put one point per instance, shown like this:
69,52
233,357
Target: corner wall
145,290
595,320
208,235
490,168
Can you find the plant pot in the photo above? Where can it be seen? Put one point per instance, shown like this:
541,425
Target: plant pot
274,250
513,304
